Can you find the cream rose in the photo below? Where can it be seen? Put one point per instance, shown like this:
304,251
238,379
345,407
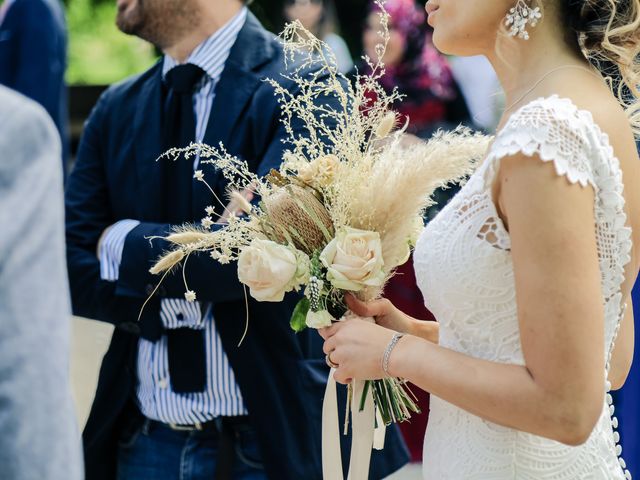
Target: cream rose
270,270
354,260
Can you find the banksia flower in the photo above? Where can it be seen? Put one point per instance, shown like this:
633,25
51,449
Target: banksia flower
296,216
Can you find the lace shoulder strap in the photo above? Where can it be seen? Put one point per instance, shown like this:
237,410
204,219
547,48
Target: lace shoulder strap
555,130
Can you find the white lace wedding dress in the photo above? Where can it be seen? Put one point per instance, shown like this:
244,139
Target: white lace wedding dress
464,269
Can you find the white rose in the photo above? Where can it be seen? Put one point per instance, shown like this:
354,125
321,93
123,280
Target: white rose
354,260
319,319
270,270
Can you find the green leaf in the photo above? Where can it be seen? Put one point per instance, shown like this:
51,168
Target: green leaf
299,317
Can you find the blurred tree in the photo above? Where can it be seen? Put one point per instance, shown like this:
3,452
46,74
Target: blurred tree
351,15
99,54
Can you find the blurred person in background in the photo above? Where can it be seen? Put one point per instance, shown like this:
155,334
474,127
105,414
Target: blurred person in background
39,437
481,90
319,17
432,101
33,56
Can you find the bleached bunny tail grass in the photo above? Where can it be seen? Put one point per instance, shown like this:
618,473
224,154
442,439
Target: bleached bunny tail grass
167,262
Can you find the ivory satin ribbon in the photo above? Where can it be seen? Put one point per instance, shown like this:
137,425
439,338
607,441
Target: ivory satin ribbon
365,435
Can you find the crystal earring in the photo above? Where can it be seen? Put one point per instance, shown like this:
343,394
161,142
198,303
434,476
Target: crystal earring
519,17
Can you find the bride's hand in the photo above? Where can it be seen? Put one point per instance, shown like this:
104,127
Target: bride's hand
382,310
387,315
356,346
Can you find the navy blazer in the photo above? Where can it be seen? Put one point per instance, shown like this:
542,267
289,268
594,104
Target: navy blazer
33,49
281,375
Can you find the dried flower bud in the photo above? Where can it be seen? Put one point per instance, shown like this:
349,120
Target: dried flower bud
325,169
307,173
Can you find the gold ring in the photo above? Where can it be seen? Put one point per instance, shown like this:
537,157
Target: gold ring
327,358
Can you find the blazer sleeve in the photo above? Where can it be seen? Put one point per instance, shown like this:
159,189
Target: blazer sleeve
88,213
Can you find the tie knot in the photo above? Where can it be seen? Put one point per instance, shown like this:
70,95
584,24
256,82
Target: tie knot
183,78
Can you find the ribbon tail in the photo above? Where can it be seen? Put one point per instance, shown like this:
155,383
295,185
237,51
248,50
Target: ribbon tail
363,423
331,455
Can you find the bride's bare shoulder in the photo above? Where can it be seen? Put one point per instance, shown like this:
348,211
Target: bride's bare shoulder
589,92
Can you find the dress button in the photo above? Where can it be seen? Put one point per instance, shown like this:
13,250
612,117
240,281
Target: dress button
179,316
163,383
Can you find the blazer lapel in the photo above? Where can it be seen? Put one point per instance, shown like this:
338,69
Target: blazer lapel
147,139
238,82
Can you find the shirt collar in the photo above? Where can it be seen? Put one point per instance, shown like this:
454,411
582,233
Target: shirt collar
212,54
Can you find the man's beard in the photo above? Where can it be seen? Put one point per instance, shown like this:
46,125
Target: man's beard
160,22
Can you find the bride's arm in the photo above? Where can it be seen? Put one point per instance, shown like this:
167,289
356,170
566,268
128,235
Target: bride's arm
623,352
559,393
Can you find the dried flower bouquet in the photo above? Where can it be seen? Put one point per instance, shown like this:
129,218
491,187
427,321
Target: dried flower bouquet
345,207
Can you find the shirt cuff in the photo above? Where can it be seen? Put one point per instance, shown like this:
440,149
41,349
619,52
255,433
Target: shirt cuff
110,252
177,313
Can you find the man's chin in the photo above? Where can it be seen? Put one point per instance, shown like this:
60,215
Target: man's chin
128,22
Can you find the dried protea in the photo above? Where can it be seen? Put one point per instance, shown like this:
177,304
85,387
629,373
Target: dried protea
294,215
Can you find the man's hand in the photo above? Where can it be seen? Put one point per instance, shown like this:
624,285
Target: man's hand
239,204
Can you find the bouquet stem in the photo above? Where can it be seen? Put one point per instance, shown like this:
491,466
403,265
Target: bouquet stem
393,397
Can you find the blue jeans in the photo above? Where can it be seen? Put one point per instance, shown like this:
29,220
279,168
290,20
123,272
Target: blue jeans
156,452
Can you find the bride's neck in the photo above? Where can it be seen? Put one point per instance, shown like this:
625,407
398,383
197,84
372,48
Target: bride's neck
519,63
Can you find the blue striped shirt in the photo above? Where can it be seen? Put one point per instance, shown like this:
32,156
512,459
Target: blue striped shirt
221,396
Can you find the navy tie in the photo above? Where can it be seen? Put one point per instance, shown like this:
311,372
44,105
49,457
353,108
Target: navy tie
186,346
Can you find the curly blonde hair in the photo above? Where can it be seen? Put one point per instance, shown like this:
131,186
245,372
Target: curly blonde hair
607,32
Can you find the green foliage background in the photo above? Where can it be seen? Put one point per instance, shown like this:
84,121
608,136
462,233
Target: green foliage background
99,54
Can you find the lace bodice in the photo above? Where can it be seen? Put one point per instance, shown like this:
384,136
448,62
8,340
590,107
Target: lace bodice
464,269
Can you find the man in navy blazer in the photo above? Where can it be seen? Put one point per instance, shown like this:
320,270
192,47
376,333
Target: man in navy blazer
33,50
152,416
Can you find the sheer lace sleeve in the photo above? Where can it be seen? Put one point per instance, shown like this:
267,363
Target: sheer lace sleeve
555,131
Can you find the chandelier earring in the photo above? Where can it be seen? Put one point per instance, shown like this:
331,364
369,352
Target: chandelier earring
521,16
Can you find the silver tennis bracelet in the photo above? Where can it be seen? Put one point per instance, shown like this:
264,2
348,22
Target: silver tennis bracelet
387,353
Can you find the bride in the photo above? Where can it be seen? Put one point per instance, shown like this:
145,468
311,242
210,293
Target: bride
529,269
